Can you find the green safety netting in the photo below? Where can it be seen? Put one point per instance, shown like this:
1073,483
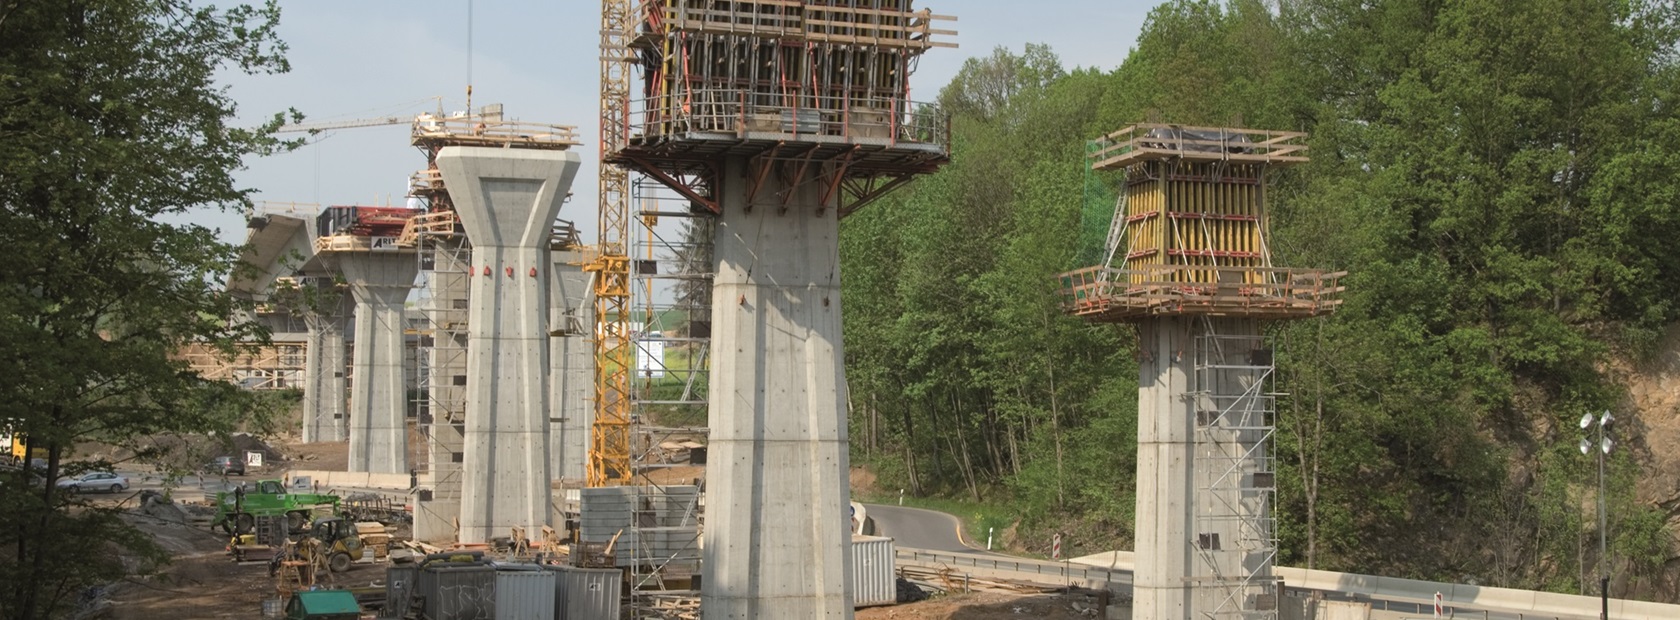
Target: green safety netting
1097,212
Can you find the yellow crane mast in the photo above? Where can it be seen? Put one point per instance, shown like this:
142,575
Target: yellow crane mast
609,448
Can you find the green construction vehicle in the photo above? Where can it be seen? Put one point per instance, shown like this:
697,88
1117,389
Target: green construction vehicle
237,510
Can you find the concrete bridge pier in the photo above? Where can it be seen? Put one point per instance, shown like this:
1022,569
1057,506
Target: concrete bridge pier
324,370
777,541
507,200
380,282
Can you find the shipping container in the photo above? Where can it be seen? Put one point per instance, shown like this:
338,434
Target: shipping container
399,589
526,593
458,592
587,593
873,579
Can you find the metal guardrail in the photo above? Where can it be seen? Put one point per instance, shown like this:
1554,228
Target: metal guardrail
1385,593
1036,571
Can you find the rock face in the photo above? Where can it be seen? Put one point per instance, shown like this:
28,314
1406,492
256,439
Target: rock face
1653,398
1650,428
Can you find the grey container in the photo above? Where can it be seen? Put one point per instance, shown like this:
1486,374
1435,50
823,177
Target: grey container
526,593
873,579
587,593
458,592
399,589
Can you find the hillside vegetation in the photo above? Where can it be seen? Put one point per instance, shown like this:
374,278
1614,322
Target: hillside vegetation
1501,178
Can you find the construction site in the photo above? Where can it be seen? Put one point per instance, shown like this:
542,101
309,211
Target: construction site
501,418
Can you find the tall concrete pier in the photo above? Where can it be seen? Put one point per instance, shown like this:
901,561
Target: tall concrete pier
1187,261
571,367
324,368
380,282
778,163
1165,490
1204,466
507,200
776,543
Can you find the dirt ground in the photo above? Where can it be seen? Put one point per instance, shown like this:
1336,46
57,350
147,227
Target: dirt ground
204,582
986,606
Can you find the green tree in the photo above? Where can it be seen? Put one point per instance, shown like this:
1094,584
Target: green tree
110,120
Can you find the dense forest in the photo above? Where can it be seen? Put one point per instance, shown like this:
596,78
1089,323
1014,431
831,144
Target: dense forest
1501,180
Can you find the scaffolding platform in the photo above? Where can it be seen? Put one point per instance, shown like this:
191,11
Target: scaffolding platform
817,87
435,224
490,130
1145,142
357,243
1106,294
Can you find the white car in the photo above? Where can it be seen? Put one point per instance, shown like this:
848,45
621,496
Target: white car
95,481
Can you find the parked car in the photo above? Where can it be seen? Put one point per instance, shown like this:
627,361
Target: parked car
226,466
95,481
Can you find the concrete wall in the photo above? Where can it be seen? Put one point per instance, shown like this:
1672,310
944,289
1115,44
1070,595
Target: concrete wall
1166,423
434,520
1462,598
350,479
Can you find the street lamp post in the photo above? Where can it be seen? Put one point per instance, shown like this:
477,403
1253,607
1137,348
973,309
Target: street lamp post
1586,446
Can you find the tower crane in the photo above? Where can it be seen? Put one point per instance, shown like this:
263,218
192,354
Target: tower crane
396,119
609,448
349,124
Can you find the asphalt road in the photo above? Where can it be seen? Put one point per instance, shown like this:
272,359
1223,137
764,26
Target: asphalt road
920,529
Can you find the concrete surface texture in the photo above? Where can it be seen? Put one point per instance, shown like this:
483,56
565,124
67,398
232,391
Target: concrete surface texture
1199,539
776,539
1166,420
380,283
507,200
571,368
324,371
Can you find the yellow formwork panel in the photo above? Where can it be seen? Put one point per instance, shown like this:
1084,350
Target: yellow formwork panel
1205,217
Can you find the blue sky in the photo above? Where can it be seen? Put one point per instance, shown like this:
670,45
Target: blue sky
369,58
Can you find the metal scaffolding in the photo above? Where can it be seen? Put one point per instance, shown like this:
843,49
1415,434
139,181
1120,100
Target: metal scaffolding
671,310
277,366
1234,523
442,375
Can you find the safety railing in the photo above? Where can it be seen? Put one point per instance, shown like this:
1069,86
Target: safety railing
1151,141
791,116
478,130
870,23
1195,289
425,182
